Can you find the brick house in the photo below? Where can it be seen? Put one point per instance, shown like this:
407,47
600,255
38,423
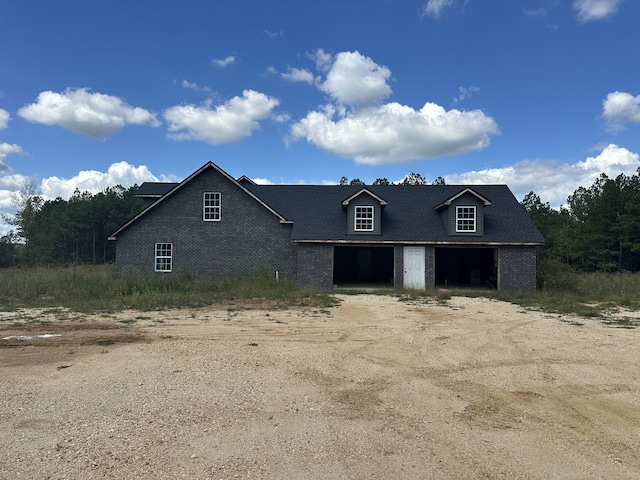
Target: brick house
412,237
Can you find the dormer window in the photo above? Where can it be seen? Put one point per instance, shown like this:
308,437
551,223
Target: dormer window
465,219
211,207
363,218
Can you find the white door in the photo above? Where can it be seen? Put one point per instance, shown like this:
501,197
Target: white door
414,268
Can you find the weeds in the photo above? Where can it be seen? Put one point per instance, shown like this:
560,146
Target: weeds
88,288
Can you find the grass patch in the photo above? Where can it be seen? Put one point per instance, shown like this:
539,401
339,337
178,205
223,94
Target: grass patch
592,295
90,289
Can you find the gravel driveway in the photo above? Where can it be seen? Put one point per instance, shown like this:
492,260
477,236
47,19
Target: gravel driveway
375,388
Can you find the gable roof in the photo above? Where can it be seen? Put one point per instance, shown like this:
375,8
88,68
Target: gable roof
448,201
364,190
176,187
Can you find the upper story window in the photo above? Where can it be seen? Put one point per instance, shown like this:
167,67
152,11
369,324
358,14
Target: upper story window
164,256
465,219
211,207
363,219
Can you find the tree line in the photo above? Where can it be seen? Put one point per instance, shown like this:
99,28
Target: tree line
59,232
597,230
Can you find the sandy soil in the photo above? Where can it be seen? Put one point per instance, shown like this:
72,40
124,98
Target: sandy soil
375,388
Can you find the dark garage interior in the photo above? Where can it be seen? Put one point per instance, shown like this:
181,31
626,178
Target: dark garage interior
363,266
463,267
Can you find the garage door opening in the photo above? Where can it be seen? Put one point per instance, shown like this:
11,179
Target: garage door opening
361,266
467,267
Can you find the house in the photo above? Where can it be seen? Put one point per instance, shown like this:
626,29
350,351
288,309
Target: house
413,237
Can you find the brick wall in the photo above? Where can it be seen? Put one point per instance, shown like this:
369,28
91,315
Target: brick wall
517,269
315,265
247,237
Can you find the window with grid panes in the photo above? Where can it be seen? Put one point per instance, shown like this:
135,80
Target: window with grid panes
363,219
164,255
212,207
465,219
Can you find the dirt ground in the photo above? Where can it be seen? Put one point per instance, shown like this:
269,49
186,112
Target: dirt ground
375,388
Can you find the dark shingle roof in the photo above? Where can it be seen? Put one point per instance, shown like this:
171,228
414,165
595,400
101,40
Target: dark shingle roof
154,189
410,215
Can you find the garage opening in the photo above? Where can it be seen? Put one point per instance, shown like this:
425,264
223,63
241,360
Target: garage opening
467,267
363,266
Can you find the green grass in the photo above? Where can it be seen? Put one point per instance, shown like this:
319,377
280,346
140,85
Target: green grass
589,294
96,288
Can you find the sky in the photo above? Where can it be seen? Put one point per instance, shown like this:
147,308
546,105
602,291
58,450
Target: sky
541,95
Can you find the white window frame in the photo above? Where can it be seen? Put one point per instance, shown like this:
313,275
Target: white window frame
363,218
466,219
211,206
163,257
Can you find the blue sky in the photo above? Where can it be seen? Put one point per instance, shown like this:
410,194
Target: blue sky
542,95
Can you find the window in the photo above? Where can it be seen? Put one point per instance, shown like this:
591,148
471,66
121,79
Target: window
465,219
363,219
163,257
211,207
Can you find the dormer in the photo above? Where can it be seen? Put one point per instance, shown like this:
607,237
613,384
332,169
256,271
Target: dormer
463,214
364,213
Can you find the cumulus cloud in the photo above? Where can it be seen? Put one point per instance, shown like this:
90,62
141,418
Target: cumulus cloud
434,8
4,119
227,123
620,108
93,181
224,62
354,79
396,133
357,124
587,10
551,180
93,114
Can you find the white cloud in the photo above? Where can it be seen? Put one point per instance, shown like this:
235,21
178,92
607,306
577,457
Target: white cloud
354,79
434,8
620,108
262,181
588,10
194,86
396,133
550,179
5,150
359,125
93,181
226,123
93,114
298,75
537,12
465,92
322,59
273,35
224,62
4,119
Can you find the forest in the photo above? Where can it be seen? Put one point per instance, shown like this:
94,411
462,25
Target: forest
64,232
597,230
